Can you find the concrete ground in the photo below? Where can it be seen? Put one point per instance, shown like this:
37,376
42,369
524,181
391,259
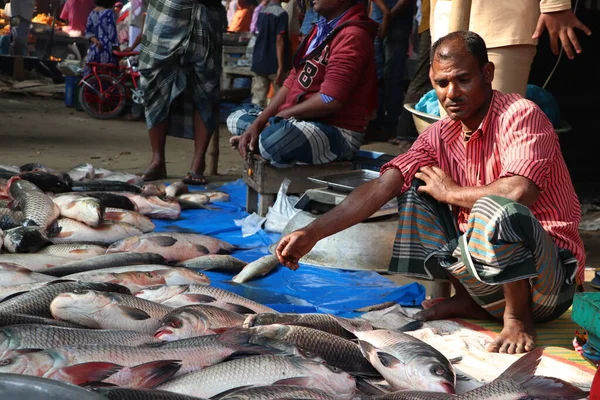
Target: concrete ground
43,130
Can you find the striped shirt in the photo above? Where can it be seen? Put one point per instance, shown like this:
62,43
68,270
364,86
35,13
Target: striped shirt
515,138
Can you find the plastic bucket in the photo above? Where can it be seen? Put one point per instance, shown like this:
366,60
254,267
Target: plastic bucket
71,83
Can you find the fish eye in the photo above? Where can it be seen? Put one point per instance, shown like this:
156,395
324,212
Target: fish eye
149,274
79,291
331,368
437,371
176,323
153,288
5,362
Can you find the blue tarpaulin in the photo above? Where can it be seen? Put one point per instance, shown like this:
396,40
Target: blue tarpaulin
309,289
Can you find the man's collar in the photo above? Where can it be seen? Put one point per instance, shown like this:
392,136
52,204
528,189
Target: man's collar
454,128
334,21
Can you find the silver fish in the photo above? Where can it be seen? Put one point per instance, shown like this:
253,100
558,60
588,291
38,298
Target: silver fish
263,370
256,269
190,321
76,251
10,218
154,189
334,350
124,177
155,207
323,322
108,310
215,195
117,393
88,210
183,295
405,362
176,188
37,301
12,274
32,336
172,246
517,382
20,288
190,201
9,319
136,219
34,262
37,208
215,262
81,172
274,392
107,232
104,261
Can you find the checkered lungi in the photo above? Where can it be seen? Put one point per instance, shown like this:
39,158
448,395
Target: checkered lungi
286,142
180,64
503,243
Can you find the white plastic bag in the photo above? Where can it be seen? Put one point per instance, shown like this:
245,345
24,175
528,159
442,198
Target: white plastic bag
250,225
283,210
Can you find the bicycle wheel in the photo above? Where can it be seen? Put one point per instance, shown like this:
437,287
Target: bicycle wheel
102,96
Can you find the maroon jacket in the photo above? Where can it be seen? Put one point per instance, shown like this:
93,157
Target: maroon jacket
343,67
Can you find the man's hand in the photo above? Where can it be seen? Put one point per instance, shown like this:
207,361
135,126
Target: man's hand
561,25
247,142
97,43
294,246
384,26
280,77
438,184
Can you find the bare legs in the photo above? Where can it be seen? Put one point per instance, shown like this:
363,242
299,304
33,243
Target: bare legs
158,138
518,333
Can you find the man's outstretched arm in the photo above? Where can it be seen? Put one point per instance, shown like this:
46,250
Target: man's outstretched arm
358,206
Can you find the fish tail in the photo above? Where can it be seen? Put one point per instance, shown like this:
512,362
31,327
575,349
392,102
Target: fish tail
80,374
543,386
152,374
356,326
246,342
524,368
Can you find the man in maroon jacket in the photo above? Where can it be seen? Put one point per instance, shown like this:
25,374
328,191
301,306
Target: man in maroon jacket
321,112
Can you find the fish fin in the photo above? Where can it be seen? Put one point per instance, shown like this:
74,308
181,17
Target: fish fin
377,307
99,385
78,251
369,388
524,368
387,360
366,348
12,295
238,308
64,234
411,326
86,372
202,249
199,298
356,326
134,313
245,342
229,391
163,241
455,360
25,351
462,378
153,373
304,381
545,386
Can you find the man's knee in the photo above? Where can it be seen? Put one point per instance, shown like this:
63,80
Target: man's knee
242,117
276,140
487,203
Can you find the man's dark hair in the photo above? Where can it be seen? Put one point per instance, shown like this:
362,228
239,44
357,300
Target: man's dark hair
473,43
105,3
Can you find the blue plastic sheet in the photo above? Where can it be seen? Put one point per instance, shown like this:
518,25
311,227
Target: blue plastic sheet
307,290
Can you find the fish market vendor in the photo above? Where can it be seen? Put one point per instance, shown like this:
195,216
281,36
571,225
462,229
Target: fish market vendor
485,201
321,112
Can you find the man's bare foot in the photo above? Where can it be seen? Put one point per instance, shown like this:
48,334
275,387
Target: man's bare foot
457,306
154,172
517,336
426,304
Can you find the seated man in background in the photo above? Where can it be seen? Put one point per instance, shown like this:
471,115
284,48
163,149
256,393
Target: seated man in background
486,201
320,113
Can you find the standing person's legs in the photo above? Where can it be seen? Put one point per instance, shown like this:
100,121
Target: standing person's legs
395,47
158,139
201,140
260,88
513,64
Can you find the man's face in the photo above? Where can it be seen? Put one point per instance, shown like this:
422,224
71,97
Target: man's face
461,84
326,7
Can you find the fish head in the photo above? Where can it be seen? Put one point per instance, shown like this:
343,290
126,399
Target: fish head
433,374
90,209
81,305
182,325
161,293
135,280
182,276
268,319
7,342
36,363
331,379
275,331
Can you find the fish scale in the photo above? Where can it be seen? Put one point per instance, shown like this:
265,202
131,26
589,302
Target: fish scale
322,322
36,206
259,370
73,250
10,218
140,394
278,392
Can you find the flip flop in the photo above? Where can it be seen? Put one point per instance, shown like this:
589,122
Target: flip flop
194,179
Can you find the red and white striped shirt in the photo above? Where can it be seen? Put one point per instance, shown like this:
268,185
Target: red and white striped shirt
515,138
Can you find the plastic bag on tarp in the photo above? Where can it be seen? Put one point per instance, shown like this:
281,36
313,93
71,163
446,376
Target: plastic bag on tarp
250,225
283,210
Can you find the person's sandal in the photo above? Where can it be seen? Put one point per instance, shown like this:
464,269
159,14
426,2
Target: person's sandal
194,179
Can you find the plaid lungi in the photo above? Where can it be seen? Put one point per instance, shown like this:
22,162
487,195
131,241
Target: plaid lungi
503,243
286,142
180,64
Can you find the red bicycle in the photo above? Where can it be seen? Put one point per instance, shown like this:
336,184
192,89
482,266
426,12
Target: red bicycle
106,89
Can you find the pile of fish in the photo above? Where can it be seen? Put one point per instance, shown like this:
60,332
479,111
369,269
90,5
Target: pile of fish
125,313
40,207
